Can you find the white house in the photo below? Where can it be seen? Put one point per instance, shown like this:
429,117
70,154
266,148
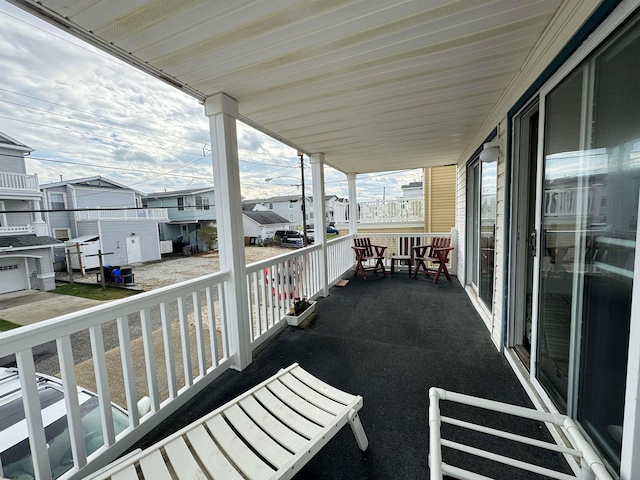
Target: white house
26,249
260,225
97,206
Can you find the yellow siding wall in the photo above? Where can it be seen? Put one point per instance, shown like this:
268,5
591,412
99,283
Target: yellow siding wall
440,199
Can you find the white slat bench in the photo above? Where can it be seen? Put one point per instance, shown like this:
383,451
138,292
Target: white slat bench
270,432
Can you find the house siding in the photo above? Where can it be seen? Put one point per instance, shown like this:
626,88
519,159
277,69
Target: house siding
113,235
12,161
440,199
17,219
102,197
498,284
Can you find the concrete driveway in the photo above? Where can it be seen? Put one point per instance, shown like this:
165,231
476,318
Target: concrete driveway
32,306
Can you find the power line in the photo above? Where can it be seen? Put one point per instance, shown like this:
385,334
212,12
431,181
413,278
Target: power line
95,115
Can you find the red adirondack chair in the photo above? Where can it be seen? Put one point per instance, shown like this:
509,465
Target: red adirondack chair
366,253
437,253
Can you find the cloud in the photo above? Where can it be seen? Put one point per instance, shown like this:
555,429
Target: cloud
86,113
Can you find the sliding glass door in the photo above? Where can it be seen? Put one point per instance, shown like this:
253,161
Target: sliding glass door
587,226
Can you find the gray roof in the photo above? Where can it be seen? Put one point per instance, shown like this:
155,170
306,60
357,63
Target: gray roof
265,218
173,193
20,241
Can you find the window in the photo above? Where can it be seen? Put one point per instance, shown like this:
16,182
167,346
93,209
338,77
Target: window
145,202
198,202
205,203
291,203
56,201
180,203
270,206
61,234
3,216
291,217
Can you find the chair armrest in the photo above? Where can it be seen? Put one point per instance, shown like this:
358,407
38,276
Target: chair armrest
380,249
443,249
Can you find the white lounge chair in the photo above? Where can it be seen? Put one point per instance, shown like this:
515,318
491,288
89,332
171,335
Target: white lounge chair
287,419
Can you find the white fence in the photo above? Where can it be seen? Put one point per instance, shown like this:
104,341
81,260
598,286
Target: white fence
156,214
18,229
166,344
384,211
18,181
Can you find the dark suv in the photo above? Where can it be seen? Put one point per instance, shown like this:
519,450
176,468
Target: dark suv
288,236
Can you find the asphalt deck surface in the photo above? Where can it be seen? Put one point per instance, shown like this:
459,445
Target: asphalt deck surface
388,340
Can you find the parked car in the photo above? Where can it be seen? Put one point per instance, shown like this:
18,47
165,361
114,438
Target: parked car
284,235
15,454
333,230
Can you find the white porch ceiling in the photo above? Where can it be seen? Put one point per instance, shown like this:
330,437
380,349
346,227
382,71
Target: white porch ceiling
373,84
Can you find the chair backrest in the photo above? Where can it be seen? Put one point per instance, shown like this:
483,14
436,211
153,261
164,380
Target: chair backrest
366,243
441,242
406,244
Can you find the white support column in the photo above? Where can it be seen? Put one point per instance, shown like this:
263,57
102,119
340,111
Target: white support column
319,220
222,111
353,204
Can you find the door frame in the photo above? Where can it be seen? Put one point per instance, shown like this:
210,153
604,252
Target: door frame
521,196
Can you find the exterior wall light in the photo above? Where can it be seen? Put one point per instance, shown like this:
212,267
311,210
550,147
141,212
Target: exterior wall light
491,151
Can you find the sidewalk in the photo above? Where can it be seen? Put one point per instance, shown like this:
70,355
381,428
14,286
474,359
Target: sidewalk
32,306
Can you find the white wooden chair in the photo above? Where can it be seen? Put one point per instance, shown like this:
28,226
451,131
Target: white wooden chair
270,432
591,465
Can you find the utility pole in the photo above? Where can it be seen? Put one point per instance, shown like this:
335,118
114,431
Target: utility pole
304,208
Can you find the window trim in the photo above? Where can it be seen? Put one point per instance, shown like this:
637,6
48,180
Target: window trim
51,201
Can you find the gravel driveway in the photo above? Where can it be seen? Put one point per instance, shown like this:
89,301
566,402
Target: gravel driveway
152,275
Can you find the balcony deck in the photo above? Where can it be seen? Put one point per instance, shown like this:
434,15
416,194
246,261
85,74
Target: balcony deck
389,340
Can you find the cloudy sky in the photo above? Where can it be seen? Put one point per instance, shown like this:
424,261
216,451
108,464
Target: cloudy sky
86,113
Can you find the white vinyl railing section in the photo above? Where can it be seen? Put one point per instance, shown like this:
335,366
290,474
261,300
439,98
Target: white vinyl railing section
276,283
157,214
18,229
383,211
18,181
166,344
591,466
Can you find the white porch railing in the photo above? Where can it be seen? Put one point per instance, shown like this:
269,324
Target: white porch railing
274,284
18,181
384,211
17,230
155,214
182,345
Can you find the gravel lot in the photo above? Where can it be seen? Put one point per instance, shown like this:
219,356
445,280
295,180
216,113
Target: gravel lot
152,275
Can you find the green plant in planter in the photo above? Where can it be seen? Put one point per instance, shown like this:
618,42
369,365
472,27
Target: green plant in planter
299,306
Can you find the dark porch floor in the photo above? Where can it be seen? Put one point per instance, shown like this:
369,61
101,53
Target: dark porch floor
388,340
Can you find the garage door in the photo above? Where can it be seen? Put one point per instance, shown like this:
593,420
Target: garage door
12,275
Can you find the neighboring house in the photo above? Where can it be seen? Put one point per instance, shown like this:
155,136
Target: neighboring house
260,225
288,207
113,212
26,249
188,210
412,190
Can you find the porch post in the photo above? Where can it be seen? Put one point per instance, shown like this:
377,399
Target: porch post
319,220
222,111
353,204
